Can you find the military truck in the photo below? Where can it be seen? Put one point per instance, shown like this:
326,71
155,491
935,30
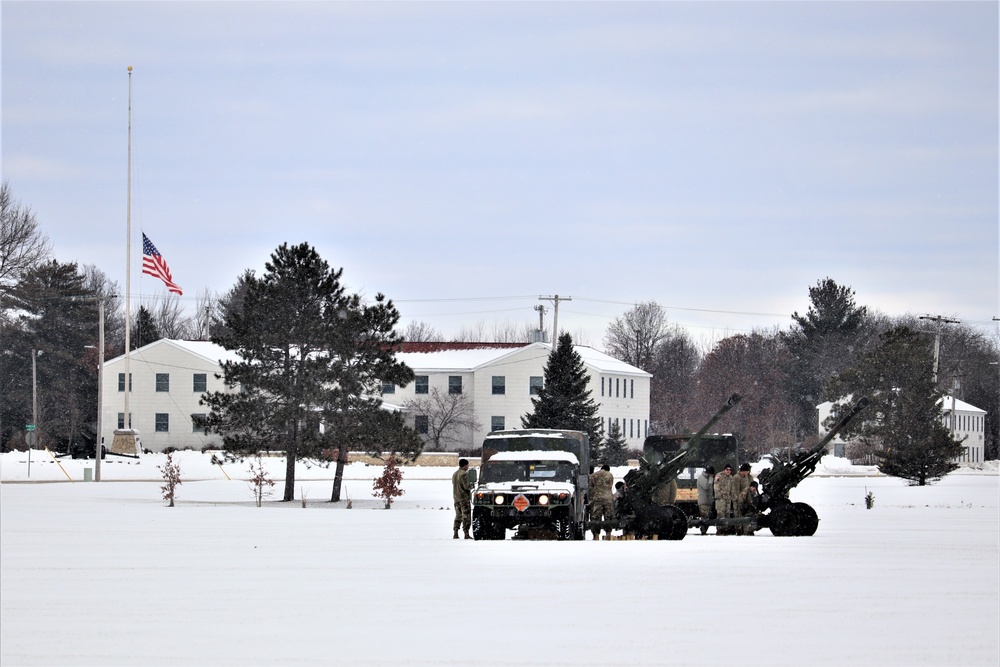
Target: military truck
533,481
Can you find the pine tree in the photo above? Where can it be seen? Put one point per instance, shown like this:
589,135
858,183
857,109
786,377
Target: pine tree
904,422
614,452
308,353
144,329
563,401
279,330
823,341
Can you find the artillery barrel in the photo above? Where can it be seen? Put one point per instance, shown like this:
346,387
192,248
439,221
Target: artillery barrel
777,481
642,482
841,423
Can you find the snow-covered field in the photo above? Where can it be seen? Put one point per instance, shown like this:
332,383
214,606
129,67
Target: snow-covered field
106,574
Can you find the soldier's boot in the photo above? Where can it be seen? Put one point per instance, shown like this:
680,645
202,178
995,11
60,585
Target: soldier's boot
455,536
467,536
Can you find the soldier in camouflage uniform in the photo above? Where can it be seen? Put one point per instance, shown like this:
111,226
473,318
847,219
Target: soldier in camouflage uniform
665,494
602,503
741,486
725,498
461,491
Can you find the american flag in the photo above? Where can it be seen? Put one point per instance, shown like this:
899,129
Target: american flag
154,265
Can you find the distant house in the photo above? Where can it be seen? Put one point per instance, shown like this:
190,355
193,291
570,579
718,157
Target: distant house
502,379
966,422
170,376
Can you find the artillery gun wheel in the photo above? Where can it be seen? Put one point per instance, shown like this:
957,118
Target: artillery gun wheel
678,522
783,521
667,523
808,520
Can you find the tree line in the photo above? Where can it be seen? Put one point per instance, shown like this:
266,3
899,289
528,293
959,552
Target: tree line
48,310
836,349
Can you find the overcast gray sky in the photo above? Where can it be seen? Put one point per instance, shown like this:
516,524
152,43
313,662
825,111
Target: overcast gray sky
465,158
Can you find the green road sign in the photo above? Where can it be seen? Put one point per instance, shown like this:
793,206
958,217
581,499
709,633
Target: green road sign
29,427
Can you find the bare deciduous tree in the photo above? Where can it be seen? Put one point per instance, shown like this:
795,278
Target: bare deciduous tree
421,332
498,332
634,336
22,244
170,318
450,418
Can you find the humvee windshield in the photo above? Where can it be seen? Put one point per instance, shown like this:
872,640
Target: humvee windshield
526,471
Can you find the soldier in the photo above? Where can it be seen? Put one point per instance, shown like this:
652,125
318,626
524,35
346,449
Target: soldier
706,496
602,505
741,486
665,494
749,505
620,491
461,491
725,499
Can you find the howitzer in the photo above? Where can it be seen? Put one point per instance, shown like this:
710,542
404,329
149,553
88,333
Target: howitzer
786,517
639,512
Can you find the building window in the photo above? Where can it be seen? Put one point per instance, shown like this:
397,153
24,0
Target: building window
121,382
198,424
162,422
631,384
496,423
388,388
602,386
121,420
454,384
421,424
617,392
499,387
421,386
534,385
163,382
200,383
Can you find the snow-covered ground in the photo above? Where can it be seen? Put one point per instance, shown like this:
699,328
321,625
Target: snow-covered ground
106,574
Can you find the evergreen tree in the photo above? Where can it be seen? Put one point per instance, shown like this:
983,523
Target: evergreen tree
564,402
278,333
904,422
144,329
308,353
360,346
57,315
822,342
614,452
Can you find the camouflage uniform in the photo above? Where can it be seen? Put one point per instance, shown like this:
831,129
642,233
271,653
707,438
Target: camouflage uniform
725,499
747,505
461,491
665,494
741,486
602,504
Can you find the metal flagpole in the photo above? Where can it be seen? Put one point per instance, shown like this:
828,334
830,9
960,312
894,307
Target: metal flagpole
127,423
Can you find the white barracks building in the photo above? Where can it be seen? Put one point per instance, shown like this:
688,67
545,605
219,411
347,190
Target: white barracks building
170,376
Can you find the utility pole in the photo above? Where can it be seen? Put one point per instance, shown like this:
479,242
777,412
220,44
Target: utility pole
541,322
555,315
937,337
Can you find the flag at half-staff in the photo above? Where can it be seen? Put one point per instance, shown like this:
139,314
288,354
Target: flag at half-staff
154,265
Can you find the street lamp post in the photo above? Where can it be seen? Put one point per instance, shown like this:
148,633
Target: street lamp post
34,404
99,447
